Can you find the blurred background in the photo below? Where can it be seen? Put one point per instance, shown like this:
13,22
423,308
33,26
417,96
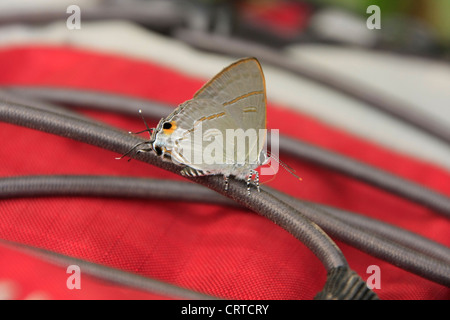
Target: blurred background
417,27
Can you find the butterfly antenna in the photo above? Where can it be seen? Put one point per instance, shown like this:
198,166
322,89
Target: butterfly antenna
284,165
271,179
143,119
149,130
132,150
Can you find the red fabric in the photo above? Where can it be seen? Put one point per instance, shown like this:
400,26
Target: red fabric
217,250
287,19
28,277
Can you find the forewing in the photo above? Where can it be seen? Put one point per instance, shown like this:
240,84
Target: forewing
240,89
234,99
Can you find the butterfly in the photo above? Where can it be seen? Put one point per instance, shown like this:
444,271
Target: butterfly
221,130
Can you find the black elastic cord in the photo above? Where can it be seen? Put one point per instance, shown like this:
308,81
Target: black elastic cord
371,175
117,276
344,284
330,160
376,245
373,226
390,233
394,107
108,186
407,250
86,98
112,139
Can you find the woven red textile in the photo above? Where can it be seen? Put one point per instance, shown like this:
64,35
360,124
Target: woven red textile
230,253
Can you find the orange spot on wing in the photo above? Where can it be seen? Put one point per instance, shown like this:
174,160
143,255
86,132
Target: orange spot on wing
172,128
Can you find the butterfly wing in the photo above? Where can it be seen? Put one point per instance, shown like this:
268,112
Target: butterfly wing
197,120
234,99
240,89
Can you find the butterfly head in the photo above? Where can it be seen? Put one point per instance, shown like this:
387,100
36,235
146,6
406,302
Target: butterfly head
161,138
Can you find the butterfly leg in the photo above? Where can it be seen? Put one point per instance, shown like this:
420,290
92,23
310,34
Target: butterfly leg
226,179
257,180
133,151
249,180
140,151
191,172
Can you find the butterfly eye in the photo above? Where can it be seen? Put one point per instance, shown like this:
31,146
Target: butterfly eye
167,125
158,151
